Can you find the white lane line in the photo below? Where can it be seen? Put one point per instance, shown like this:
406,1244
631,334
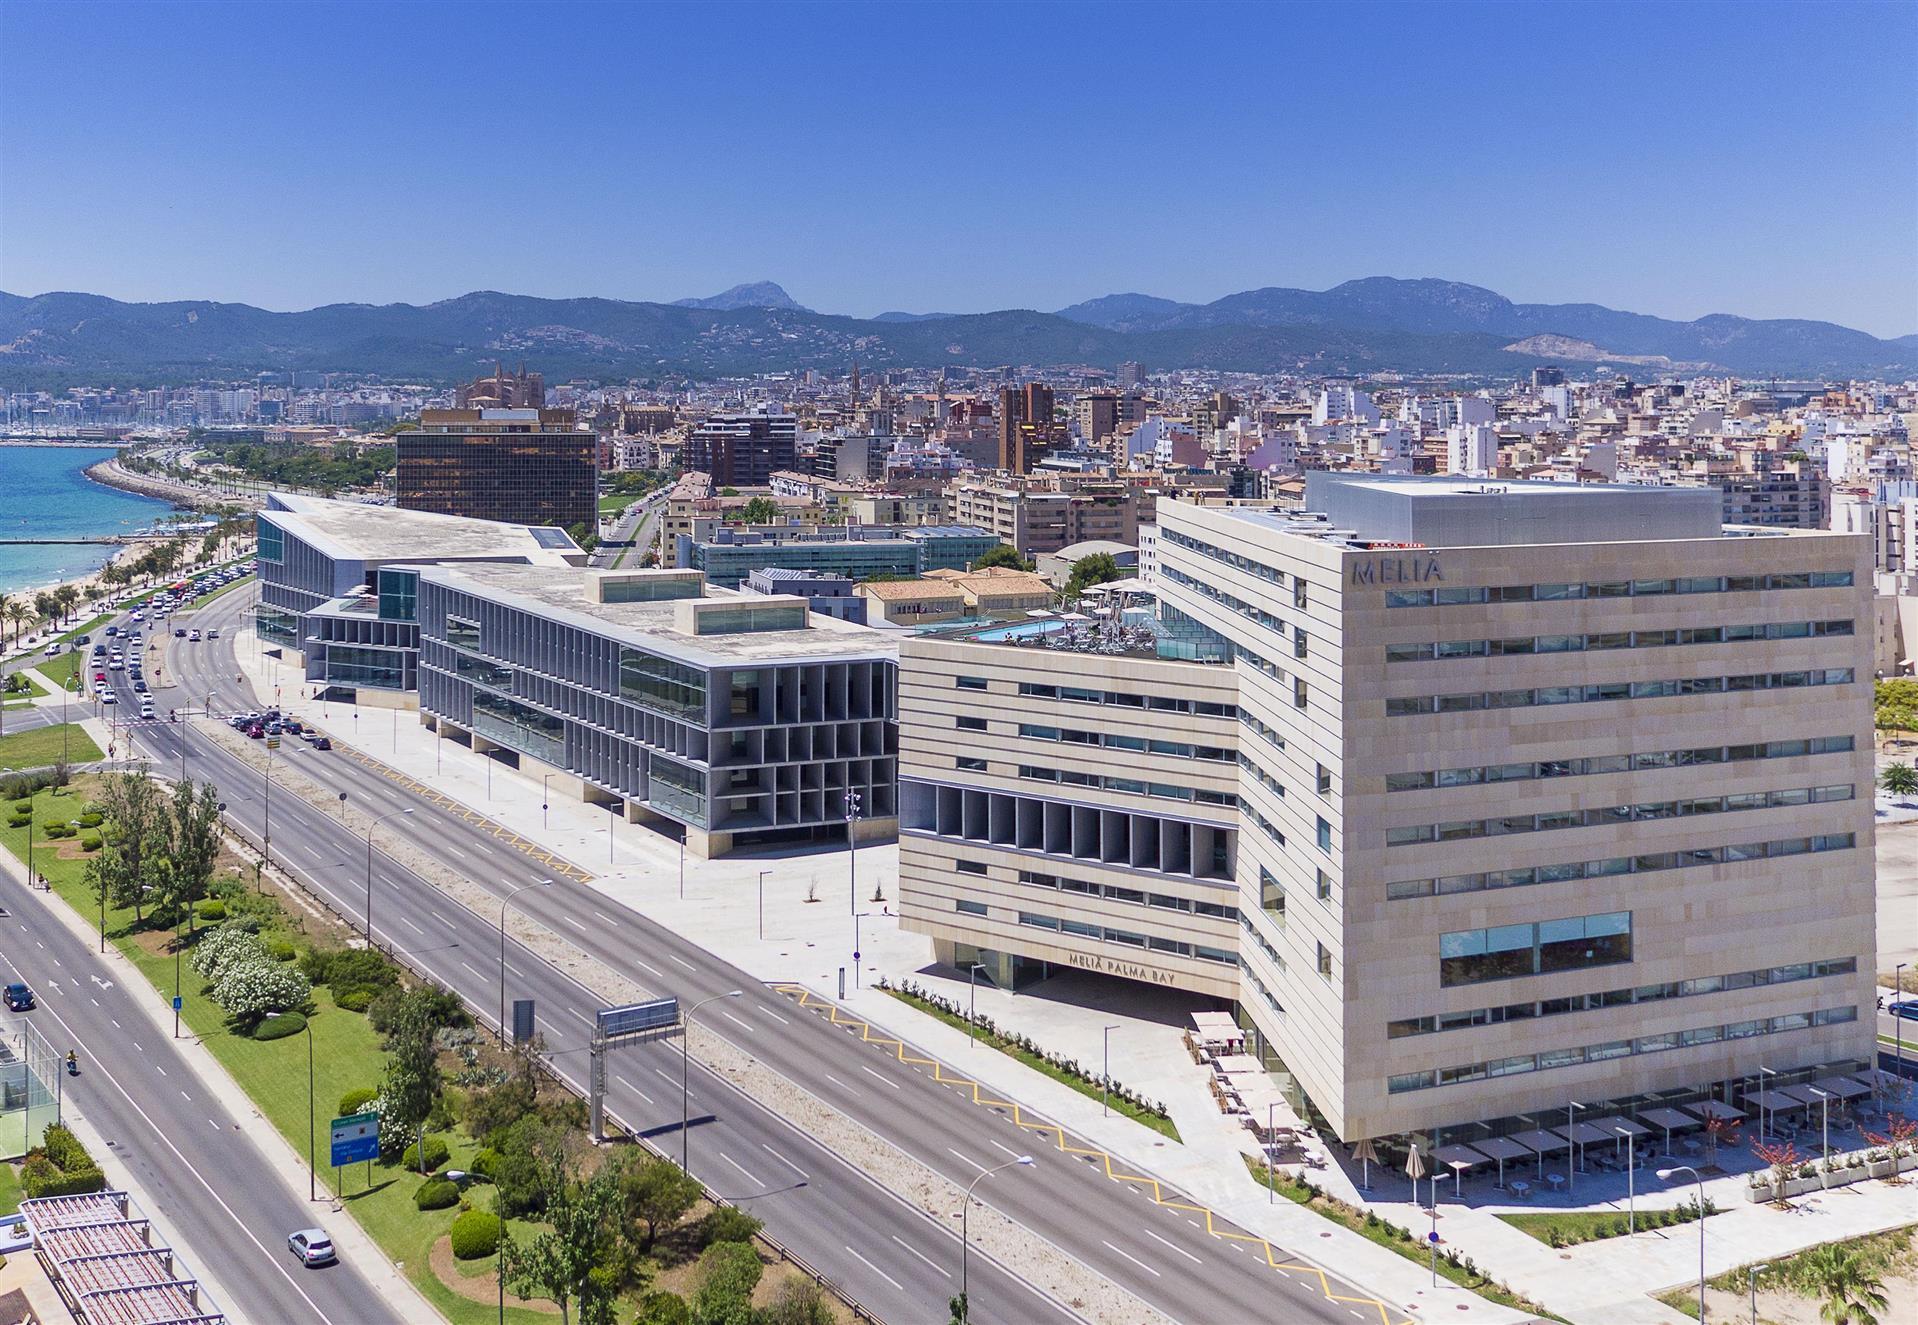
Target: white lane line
876,1270
782,1159
444,921
869,1072
1010,1151
115,1021
742,1168
590,1023
1181,1250
734,1020
515,970
682,961
1134,1259
608,919
635,1089
188,1098
136,1043
94,1001
410,925
922,1256
456,851
470,968
311,852
575,924
654,969
964,1159
159,1069
210,1123
671,1081
483,847
829,1076
775,1016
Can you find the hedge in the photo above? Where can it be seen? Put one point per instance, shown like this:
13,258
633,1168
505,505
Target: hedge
437,1194
281,950
54,1182
19,820
486,1163
92,819
474,1234
436,1155
91,842
279,1026
355,1000
355,1101
212,909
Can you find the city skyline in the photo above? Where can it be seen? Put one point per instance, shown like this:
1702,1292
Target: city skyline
1666,188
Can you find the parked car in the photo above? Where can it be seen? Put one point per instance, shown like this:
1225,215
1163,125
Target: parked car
312,1246
19,997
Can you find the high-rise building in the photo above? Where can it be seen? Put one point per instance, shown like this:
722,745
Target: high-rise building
1548,375
1131,375
520,466
1098,416
1026,427
744,450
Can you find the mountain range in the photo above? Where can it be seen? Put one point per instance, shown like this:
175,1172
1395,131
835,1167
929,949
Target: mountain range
1378,324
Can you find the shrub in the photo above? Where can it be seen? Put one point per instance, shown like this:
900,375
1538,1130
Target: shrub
225,946
728,1273
662,1307
91,819
355,1101
727,1223
211,910
281,950
346,969
23,806
250,989
19,820
474,1234
91,842
55,1182
486,1163
436,1155
354,1000
62,1148
437,1194
522,1189
279,1026
57,830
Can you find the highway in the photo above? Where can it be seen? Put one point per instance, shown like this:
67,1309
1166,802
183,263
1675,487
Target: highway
894,1260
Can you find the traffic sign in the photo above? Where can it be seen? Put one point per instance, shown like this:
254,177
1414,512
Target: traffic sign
272,742
356,1137
177,1002
651,1015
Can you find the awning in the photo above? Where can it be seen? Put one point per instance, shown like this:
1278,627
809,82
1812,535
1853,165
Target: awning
1240,1065
1613,1126
1807,1094
1585,1134
1845,1088
1541,1142
1717,1109
1501,1147
1669,1118
1458,1154
1777,1100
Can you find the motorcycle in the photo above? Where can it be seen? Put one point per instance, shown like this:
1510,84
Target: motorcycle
73,1064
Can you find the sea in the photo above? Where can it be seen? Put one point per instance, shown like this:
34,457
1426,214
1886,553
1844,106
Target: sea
45,493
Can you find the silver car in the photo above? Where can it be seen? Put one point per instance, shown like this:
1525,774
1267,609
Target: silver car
312,1246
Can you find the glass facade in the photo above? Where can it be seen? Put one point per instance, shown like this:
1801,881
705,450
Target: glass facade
521,728
520,473
272,540
382,669
662,685
461,633
399,595
274,624
678,789
1505,952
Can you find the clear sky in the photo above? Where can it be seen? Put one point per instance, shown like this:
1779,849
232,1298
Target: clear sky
1669,158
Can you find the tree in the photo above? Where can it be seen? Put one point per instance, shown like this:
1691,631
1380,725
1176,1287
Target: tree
226,947
1003,555
558,1263
68,597
1099,568
1783,1159
192,824
1852,1294
760,510
250,989
728,1273
135,840
412,1073
1899,779
656,1193
798,1302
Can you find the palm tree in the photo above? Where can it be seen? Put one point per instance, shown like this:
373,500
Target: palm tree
17,612
1899,779
1852,1294
6,607
68,597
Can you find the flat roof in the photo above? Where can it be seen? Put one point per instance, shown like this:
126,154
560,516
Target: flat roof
560,593
1455,511
353,531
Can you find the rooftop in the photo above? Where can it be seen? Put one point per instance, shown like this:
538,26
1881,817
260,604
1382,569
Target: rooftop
561,593
355,532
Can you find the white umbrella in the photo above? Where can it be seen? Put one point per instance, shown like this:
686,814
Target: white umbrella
1414,1169
1365,1153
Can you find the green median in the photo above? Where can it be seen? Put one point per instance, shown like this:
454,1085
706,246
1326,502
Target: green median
44,746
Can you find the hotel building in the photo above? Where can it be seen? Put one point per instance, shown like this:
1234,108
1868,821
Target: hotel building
1538,793
520,466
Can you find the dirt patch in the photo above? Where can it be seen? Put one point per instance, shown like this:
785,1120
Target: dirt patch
478,1287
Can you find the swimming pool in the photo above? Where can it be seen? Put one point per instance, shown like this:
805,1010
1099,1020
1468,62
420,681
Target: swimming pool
1020,630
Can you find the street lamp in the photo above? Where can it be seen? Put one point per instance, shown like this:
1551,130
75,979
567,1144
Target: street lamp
1751,1283
857,916
502,951
1824,1104
369,864
852,856
1572,1109
544,798
1105,1077
1667,1175
686,1077
1764,1131
1898,1022
312,1120
1631,1182
762,910
965,1240
972,1000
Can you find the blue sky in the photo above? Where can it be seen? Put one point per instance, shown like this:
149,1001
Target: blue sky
1677,159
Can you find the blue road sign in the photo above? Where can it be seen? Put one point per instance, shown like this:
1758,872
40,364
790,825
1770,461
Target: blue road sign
635,1017
177,1001
356,1137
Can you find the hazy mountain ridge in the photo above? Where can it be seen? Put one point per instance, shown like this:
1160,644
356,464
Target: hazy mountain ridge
1361,326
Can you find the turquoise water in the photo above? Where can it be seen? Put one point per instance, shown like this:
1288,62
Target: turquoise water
45,493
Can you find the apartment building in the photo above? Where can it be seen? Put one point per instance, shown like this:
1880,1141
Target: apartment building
1037,516
1494,878
743,450
517,466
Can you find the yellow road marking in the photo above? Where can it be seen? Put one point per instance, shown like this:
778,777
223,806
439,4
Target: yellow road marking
805,998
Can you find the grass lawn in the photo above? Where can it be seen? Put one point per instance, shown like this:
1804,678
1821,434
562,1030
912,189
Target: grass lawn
615,502
1576,1226
59,670
1158,1122
10,1190
1892,1256
42,746
1379,1231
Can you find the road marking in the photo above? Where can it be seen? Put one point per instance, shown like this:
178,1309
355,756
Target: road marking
590,1023
93,1000
774,1015
782,1159
608,919
444,921
483,847
115,1021
468,967
456,851
188,1098
1015,1154
869,1072
654,969
734,1020
1134,1259
963,1159
663,1077
1181,1250
635,1089
311,852
682,961
159,1069
876,1270
922,1256
136,1043
410,925
575,924
829,1076
742,1168
210,1123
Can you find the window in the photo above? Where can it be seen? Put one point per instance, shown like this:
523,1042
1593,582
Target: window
1324,834
271,540
1325,886
1325,780
969,763
660,684
1300,692
399,595
1298,592
1298,643
1325,961
969,682
969,866
969,908
1505,952
970,724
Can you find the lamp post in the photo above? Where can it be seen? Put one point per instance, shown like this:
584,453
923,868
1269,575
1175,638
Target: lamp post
857,950
1764,1129
852,856
1105,1077
972,999
1667,1175
369,866
504,902
1631,1183
1824,1105
762,906
1897,1022
544,798
1572,1110
965,1241
686,1077
312,1121
1751,1284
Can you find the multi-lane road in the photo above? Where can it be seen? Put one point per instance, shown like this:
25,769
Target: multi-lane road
898,1262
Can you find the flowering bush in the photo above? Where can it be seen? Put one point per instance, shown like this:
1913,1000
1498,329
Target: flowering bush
249,989
225,947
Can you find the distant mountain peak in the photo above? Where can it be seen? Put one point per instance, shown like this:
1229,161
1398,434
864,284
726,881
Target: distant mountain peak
752,294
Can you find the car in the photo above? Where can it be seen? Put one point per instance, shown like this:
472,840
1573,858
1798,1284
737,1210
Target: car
255,732
99,678
179,632
312,1246
82,639
1906,1009
108,697
53,650
138,616
192,635
146,711
213,634
317,741
19,997
293,725
139,685
111,631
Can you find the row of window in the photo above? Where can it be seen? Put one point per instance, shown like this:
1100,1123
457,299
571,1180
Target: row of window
1264,778
1252,612
1598,1053
1596,869
1123,699
1252,932
1131,786
1607,691
1462,829
1553,593
1270,574
1114,741
1612,998
1612,639
1272,735
1505,952
1559,768
1152,943
1137,897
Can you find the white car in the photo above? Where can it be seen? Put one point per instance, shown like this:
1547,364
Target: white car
108,697
192,636
53,650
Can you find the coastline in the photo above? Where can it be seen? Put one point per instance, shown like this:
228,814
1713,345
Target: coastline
109,474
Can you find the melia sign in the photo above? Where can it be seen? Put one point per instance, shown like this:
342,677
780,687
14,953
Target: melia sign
1417,569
